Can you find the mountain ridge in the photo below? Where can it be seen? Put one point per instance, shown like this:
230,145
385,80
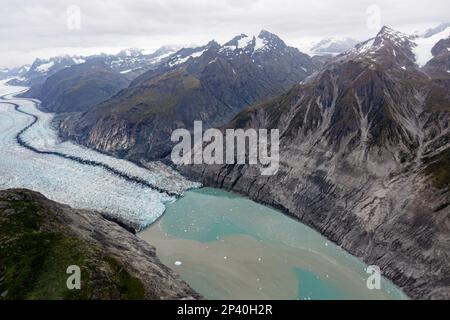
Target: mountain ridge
364,144
41,239
209,83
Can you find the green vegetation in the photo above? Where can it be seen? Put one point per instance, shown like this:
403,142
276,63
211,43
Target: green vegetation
161,96
35,251
129,287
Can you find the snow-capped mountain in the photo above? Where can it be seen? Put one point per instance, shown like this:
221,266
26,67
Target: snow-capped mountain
18,72
388,46
264,42
43,68
133,62
432,31
425,43
210,83
365,157
333,45
184,54
129,62
256,50
402,48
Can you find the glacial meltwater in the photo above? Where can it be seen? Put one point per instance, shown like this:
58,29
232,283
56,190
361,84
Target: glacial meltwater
223,245
229,247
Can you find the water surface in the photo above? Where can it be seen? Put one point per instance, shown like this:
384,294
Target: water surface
229,247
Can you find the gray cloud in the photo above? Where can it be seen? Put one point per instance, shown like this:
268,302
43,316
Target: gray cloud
31,28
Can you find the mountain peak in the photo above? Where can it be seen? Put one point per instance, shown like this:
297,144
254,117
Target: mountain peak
213,44
237,40
387,33
270,37
266,34
131,52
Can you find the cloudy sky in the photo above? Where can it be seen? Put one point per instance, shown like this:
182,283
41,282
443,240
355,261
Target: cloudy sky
44,28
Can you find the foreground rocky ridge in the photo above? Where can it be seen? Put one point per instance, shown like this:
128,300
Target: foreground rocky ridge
364,159
40,238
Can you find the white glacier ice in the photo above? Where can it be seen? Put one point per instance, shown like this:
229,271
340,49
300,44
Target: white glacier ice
423,46
73,183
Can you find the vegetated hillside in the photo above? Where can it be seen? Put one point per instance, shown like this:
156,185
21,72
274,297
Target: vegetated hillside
40,239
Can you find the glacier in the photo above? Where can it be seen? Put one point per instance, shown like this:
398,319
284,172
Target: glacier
78,184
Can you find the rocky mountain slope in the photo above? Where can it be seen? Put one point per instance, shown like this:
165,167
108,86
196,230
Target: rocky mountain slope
364,159
210,83
76,88
39,239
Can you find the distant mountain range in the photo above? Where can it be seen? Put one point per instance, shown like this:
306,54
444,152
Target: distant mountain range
211,83
333,45
130,63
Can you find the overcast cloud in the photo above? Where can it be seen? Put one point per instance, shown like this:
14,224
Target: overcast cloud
31,28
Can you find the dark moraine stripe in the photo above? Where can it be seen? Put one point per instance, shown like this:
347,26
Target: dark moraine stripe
93,163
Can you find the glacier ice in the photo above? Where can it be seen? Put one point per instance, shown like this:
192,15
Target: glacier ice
79,185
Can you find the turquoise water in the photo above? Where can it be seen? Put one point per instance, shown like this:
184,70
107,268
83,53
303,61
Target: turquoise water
312,287
229,247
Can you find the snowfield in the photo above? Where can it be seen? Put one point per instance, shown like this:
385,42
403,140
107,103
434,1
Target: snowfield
423,47
78,185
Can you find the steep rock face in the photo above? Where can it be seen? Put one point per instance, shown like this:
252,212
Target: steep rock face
439,66
76,88
211,83
40,238
364,159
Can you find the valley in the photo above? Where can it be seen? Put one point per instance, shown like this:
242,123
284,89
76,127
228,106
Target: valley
64,172
360,150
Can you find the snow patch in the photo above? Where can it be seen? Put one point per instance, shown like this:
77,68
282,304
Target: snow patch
260,43
45,67
243,42
79,60
180,60
423,47
126,71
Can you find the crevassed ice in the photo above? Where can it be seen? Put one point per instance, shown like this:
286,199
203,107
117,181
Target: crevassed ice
81,186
